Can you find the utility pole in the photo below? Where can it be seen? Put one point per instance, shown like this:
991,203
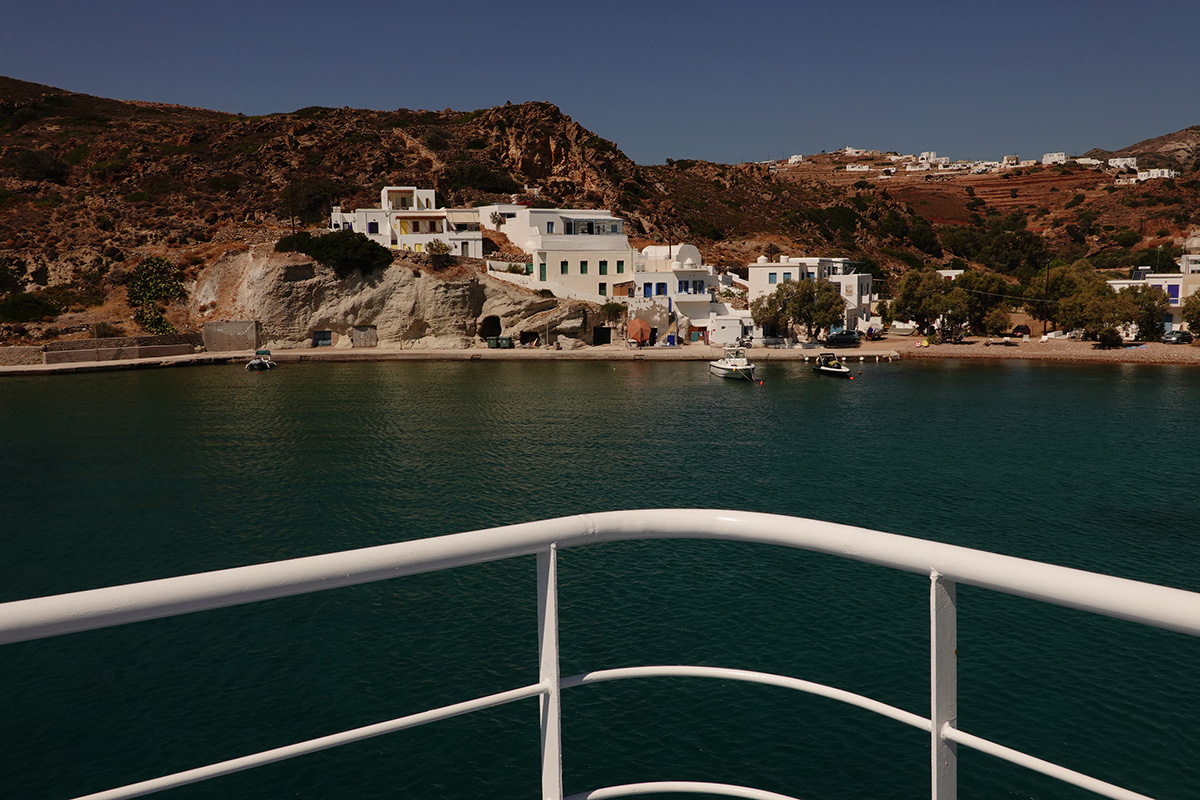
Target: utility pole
1046,304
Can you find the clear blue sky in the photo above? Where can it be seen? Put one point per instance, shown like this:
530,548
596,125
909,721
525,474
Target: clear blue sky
724,82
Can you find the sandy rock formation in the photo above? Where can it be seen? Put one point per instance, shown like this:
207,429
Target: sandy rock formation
410,305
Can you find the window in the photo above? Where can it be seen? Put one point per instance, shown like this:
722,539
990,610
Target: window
698,287
683,287
1173,294
337,227
583,268
562,266
550,227
787,276
417,247
604,290
372,227
568,226
660,289
603,267
772,277
620,267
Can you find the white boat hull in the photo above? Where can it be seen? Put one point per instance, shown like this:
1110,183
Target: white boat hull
732,371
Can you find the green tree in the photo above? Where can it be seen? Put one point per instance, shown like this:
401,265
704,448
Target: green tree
1095,307
921,297
1191,311
770,311
1149,304
811,304
985,291
997,321
309,199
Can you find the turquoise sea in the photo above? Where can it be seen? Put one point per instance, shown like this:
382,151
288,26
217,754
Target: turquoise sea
119,477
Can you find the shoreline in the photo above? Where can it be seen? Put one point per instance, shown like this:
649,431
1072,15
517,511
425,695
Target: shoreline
886,350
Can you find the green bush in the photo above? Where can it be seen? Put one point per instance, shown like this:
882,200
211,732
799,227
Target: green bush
1128,238
104,330
154,281
26,307
41,165
294,243
1108,339
343,251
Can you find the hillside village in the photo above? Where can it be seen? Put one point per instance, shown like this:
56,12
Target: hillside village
517,221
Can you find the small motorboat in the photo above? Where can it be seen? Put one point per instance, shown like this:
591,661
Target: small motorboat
262,360
733,365
830,364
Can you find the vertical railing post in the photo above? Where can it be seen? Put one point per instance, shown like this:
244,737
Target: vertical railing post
547,561
943,676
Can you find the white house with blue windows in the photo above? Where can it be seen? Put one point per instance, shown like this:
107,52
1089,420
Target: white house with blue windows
1178,286
409,219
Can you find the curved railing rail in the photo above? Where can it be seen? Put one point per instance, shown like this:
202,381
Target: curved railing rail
946,565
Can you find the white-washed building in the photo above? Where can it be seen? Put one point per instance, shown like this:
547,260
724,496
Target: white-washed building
1158,172
408,219
575,252
1123,163
1054,158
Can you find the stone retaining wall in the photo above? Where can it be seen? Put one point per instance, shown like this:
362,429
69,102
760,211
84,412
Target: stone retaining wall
117,353
19,356
190,339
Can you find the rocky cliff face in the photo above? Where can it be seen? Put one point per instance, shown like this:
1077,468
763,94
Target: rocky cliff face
408,304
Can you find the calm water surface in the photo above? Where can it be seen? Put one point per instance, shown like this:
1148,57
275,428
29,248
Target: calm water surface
120,477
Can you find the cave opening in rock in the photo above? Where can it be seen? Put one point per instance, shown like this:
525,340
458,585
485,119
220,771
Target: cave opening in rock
489,327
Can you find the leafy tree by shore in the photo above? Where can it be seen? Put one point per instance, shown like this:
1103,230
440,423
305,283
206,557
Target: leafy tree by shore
921,297
811,304
1191,311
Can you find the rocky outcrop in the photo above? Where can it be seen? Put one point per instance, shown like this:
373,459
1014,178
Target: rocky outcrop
408,304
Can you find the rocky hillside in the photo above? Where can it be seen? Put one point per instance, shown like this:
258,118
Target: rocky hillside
90,187
1179,150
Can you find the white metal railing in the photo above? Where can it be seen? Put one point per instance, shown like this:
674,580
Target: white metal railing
946,565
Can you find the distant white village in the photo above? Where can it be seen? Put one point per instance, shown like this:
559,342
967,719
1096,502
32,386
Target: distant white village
930,161
584,254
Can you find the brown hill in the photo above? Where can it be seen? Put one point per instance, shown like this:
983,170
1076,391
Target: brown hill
89,186
1179,150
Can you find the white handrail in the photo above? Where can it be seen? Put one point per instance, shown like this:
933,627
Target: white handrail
1172,609
265,757
692,787
1149,604
748,676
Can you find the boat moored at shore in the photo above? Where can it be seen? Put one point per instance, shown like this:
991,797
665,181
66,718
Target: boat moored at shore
733,365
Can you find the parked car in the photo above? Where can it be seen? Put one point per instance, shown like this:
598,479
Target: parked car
842,339
1178,337
1020,330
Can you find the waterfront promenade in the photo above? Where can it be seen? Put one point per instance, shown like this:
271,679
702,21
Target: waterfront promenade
890,349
